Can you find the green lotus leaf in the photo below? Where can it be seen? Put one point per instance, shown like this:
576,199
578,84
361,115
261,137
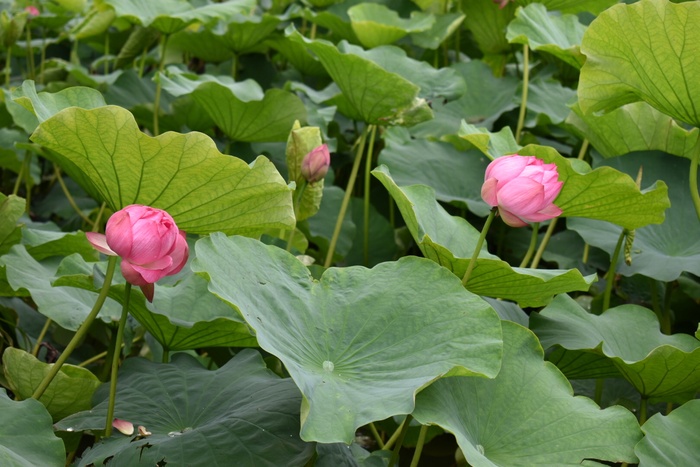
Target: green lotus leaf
660,367
548,100
183,316
241,411
357,357
492,144
450,242
643,52
244,32
240,109
673,439
559,35
377,95
443,27
335,19
375,24
634,127
109,157
664,251
169,16
526,416
488,22
70,391
455,175
11,209
572,6
67,307
577,364
26,435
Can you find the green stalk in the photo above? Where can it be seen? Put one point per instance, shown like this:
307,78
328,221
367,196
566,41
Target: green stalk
115,361
598,397
44,330
20,176
42,64
161,66
610,276
643,410
394,460
531,247
694,180
523,98
377,436
296,202
368,170
8,69
479,244
346,198
82,330
30,54
543,245
71,201
166,355
419,447
98,218
666,312
142,62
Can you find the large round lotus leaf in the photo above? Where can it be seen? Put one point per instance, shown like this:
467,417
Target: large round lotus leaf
672,440
359,342
559,35
375,24
660,367
450,242
198,417
104,151
11,209
646,51
26,435
527,416
663,251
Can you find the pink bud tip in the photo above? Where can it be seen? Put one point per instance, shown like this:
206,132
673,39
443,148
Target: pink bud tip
315,164
32,10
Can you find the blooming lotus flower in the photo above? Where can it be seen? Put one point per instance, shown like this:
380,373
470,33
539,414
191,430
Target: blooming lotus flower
523,188
32,11
149,243
315,164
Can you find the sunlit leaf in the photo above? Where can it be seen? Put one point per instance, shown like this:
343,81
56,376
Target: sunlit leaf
375,24
11,209
357,357
104,151
671,440
645,51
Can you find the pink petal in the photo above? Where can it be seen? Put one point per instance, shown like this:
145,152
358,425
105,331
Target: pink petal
488,192
99,242
511,219
507,167
155,273
119,235
124,427
179,254
131,275
552,190
549,212
521,196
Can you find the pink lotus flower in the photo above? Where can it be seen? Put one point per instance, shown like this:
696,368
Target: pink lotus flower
149,243
523,188
315,164
32,11
501,3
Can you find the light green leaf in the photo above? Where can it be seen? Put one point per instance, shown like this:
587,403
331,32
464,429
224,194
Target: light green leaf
45,105
67,307
205,191
604,193
241,411
572,6
243,32
660,367
548,99
240,109
488,22
26,435
634,127
492,144
377,95
169,16
645,51
527,416
559,35
442,28
70,391
671,440
375,24
450,242
357,357
659,251
576,364
11,209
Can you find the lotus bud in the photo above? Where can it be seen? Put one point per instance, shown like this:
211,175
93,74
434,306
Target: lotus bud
315,164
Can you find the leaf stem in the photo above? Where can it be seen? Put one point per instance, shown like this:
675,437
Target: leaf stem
479,244
8,64
368,170
547,235
643,410
71,201
394,460
296,202
42,334
82,330
30,53
419,446
118,341
346,198
532,246
694,180
610,276
377,436
161,66
523,98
